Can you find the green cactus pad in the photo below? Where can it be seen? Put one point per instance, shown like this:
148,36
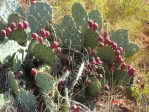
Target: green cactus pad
106,54
20,36
96,17
43,53
121,78
44,82
90,38
32,44
18,59
95,86
13,83
80,15
9,6
14,17
121,38
11,47
40,14
27,100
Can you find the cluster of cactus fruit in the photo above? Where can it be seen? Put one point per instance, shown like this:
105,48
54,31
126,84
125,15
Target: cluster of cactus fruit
38,44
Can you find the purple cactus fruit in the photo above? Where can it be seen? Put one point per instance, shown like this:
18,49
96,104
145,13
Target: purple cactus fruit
25,24
3,33
20,26
54,44
58,50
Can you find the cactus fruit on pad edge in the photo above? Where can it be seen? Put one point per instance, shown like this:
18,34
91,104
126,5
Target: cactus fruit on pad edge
121,38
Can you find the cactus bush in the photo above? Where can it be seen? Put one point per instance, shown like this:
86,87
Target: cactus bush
93,64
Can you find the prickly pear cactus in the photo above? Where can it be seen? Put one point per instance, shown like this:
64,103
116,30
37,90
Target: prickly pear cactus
11,47
96,17
45,82
43,53
13,83
14,17
80,15
90,38
27,100
106,54
121,78
40,14
9,6
20,36
121,38
95,86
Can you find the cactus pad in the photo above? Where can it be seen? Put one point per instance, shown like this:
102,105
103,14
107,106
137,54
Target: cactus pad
10,46
95,86
43,53
96,17
13,83
121,38
44,82
27,100
121,78
80,15
9,6
20,36
14,17
39,15
106,54
90,38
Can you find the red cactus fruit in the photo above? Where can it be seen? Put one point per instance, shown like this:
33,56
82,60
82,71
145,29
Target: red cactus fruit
131,72
34,36
99,76
93,52
58,50
119,59
3,33
40,40
95,26
12,25
42,32
54,44
20,26
114,45
47,34
90,24
33,2
98,61
117,52
8,30
105,34
123,66
34,72
120,49
25,24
